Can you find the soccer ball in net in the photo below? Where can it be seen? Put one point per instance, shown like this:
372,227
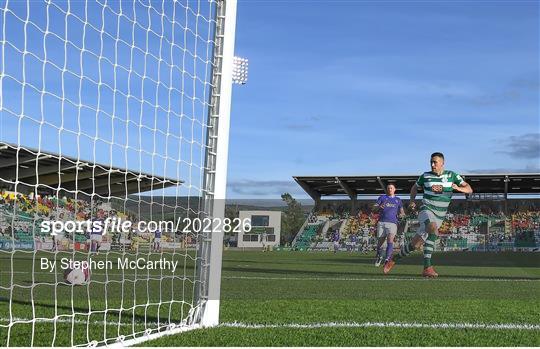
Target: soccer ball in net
77,276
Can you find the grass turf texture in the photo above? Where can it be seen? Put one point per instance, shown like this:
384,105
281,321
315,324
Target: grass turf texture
279,288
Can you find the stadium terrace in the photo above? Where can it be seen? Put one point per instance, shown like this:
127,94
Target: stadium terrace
501,215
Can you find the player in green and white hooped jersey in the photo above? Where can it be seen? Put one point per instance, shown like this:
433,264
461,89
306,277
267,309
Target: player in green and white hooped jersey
438,186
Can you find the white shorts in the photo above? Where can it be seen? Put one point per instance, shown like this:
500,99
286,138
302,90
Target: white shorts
336,245
96,237
385,229
158,240
424,218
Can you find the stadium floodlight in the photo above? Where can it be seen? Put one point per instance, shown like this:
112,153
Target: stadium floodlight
115,109
240,70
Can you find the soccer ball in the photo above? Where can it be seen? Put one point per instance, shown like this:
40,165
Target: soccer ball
77,276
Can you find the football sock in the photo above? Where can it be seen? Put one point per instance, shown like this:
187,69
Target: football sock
429,246
379,251
389,250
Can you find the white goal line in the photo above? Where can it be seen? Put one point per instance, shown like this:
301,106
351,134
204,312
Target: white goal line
460,326
534,327
285,278
377,279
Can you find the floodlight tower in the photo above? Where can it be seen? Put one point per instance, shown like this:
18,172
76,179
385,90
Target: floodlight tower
240,70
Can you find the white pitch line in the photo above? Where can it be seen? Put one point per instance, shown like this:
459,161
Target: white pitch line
460,326
375,279
316,278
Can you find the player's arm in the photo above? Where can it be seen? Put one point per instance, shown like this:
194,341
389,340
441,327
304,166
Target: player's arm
414,190
378,205
460,185
464,187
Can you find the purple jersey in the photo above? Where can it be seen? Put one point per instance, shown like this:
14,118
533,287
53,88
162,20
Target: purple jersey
157,234
97,227
390,208
335,236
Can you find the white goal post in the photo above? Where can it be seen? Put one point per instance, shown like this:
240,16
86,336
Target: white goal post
112,111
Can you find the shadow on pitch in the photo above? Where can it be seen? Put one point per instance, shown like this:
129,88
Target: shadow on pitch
460,259
298,273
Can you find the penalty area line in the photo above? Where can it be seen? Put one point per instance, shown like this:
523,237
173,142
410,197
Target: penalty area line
377,279
308,278
458,326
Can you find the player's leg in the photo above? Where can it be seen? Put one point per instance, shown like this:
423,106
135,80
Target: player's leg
390,243
100,242
429,246
415,244
381,237
93,243
379,255
95,240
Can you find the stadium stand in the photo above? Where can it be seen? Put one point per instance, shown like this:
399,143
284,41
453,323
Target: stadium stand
102,192
460,231
489,220
21,216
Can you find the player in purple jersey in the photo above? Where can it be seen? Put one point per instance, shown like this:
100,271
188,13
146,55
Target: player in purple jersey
335,238
389,206
157,240
354,242
96,235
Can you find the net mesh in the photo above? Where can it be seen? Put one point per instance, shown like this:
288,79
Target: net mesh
103,114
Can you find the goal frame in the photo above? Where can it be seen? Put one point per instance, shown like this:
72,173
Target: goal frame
210,245
205,304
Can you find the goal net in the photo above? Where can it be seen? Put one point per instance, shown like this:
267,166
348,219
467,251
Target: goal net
111,112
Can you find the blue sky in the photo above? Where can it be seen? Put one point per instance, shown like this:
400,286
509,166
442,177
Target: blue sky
374,87
335,87
123,84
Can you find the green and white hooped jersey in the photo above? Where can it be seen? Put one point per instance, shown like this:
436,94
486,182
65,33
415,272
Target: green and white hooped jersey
438,191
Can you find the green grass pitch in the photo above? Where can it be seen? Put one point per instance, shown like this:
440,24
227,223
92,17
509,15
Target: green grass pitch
291,299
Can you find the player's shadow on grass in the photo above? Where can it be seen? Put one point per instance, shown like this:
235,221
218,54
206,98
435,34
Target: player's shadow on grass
462,259
297,273
314,261
290,272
